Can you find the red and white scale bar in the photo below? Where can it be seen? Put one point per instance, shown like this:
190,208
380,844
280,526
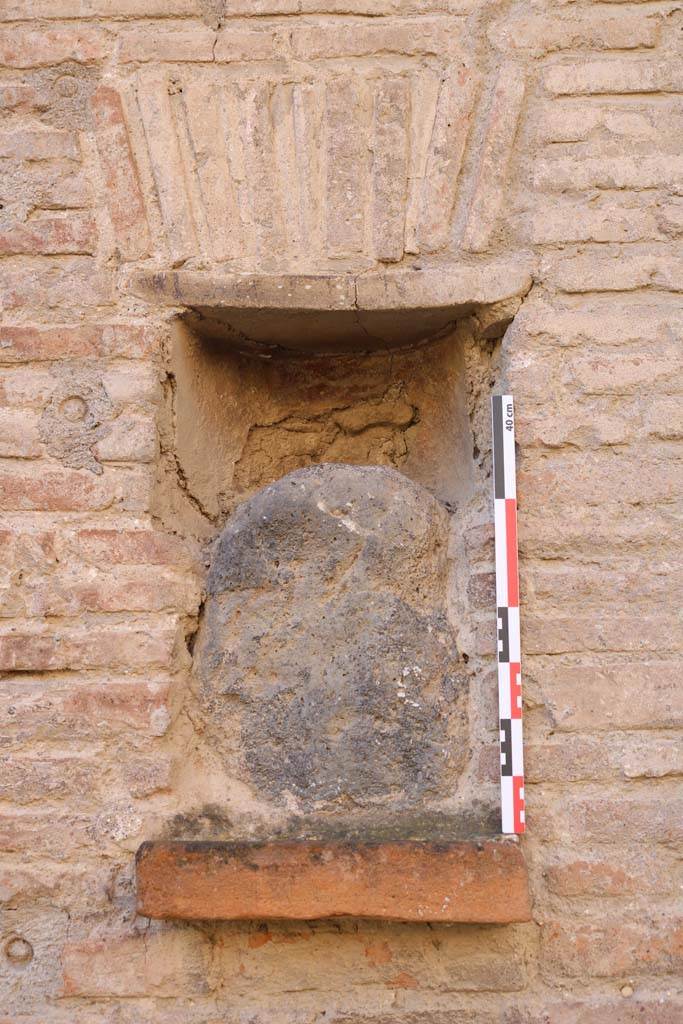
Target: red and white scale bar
507,601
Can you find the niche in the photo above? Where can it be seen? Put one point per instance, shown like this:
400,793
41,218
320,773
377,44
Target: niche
339,721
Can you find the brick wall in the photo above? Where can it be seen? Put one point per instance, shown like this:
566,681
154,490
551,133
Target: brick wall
578,168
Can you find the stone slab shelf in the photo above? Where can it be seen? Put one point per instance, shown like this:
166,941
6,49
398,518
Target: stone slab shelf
483,882
331,313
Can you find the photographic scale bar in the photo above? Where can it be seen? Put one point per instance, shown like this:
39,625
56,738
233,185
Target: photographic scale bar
507,612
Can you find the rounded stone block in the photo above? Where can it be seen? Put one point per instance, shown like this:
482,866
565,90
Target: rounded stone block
327,673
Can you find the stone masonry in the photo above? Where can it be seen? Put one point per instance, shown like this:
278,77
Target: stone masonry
535,144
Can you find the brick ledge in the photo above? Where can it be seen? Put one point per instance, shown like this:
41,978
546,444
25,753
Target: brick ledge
482,882
332,313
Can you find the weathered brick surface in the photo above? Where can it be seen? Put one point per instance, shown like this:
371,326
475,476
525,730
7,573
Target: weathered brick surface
325,136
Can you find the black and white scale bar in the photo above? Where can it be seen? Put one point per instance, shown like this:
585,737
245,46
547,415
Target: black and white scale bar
507,611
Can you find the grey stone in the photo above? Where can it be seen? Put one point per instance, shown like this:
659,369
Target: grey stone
326,667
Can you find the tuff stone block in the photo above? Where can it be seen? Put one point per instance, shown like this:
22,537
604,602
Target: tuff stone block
327,672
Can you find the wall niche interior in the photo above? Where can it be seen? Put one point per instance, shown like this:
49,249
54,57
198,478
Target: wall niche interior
240,427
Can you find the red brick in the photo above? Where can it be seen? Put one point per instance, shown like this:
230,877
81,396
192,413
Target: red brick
619,874
465,881
438,36
186,41
124,197
496,151
606,630
169,963
237,44
30,10
49,235
651,818
636,695
69,490
613,948
17,96
614,76
666,1008
591,29
24,780
23,47
51,708
646,477
19,343
71,648
19,434
56,282
146,547
130,438
606,373
609,173
39,144
58,834
75,592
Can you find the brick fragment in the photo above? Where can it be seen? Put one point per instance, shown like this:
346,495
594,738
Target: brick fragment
614,75
466,960
23,47
494,157
186,41
483,882
63,490
113,647
605,372
19,434
49,235
609,172
665,1008
437,36
49,707
17,96
436,173
245,44
123,194
75,592
579,30
600,818
137,964
610,947
622,873
22,343
56,283
558,222
39,144
585,477
606,629
30,10
147,547
24,780
131,438
577,758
